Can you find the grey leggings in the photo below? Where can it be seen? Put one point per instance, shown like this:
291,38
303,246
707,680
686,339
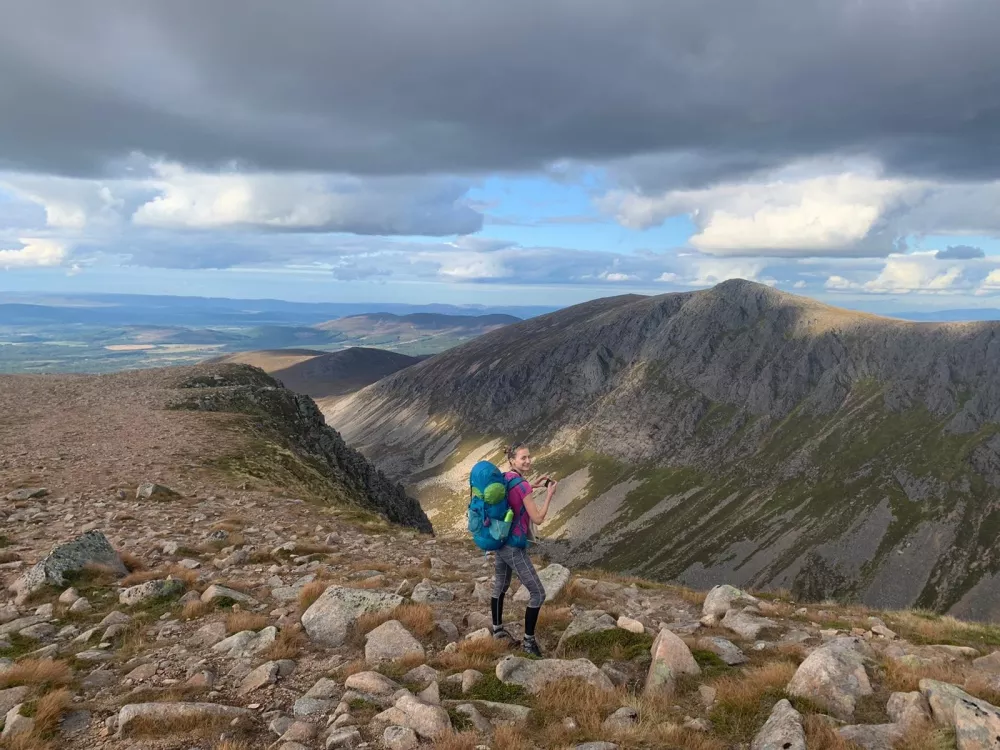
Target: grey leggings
511,560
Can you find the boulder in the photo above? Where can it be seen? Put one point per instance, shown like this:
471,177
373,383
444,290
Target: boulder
872,736
195,713
723,598
426,720
554,578
782,730
632,626
347,737
265,674
15,724
426,592
745,624
624,718
400,738
154,491
390,641
833,677
535,674
151,591
976,722
908,709
28,493
371,683
12,697
215,591
590,621
726,650
90,549
671,658
328,620
246,643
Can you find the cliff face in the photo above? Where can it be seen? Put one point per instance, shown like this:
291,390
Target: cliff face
738,434
293,438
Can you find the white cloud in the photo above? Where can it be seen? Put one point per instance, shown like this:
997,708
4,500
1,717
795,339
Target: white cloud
171,196
34,253
71,203
921,273
306,202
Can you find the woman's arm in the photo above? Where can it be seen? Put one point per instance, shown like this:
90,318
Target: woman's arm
536,514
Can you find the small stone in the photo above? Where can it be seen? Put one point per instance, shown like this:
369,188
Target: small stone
142,672
265,674
215,591
671,659
305,706
426,592
431,694
535,674
151,591
81,606
343,738
554,578
633,626
16,724
69,596
707,694
623,718
154,491
470,678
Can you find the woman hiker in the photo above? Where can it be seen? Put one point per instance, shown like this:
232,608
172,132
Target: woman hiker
510,559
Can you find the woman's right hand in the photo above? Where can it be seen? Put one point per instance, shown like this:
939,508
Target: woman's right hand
552,487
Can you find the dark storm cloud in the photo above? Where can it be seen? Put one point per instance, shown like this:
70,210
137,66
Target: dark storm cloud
960,252
393,86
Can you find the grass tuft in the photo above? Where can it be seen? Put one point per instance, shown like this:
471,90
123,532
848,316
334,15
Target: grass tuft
617,644
237,622
288,645
44,674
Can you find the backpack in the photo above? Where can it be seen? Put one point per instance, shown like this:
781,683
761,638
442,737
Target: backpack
488,506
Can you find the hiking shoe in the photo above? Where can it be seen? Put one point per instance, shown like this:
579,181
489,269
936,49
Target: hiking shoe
530,646
501,634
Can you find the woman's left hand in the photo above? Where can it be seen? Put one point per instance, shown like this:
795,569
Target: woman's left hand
541,482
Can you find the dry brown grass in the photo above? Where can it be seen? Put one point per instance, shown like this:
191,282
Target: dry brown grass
43,673
98,575
588,705
7,556
132,562
49,710
481,654
743,702
575,593
237,622
172,694
458,741
554,618
417,618
351,668
288,645
194,610
927,627
229,744
200,726
981,687
179,572
904,678
820,735
509,738
228,525
310,593
925,738
375,582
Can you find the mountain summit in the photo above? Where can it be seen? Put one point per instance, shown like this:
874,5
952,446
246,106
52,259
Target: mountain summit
735,434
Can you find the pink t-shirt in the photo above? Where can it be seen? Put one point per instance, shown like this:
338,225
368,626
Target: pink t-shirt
516,500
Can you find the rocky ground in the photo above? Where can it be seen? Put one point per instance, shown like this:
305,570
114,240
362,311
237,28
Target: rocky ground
246,619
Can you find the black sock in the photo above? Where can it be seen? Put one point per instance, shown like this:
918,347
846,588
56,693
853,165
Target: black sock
496,608
530,618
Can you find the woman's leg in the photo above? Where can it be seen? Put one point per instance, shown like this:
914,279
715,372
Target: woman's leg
502,573
528,576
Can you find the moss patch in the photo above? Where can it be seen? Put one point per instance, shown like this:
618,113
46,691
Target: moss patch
617,644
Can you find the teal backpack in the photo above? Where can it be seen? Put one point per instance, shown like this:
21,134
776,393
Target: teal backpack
490,515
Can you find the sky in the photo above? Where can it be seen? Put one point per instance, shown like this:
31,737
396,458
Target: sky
541,152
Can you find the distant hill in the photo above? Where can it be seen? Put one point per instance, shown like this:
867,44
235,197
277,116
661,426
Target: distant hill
733,435
325,374
383,325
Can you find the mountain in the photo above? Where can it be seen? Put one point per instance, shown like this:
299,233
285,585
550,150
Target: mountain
325,374
737,434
